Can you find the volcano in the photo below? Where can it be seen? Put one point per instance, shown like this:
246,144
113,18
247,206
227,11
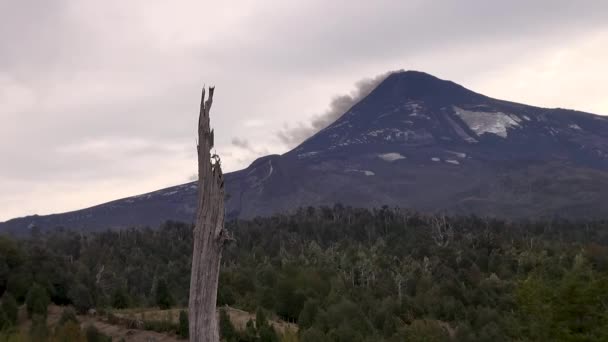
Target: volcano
414,142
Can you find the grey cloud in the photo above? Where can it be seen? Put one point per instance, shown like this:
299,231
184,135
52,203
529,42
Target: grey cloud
345,35
338,106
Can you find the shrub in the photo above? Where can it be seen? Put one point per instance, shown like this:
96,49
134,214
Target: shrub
163,296
4,321
268,334
37,301
120,300
10,308
68,315
69,332
81,298
93,335
183,328
227,331
38,329
160,326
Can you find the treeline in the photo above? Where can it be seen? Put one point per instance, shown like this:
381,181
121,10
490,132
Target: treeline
343,274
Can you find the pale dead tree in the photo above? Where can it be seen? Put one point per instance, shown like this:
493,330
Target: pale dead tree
403,270
441,230
209,234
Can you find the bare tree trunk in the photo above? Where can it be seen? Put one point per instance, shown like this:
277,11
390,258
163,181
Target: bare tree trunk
209,234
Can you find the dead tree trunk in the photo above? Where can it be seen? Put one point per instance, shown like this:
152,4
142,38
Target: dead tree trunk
209,234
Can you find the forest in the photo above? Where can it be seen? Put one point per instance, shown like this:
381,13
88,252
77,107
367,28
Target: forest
339,273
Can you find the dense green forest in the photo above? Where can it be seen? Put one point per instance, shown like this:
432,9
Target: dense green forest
341,274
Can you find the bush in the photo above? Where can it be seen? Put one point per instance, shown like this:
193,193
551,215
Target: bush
4,321
81,298
308,314
268,334
163,296
260,319
19,282
227,331
68,315
10,308
425,330
93,335
183,328
120,300
38,329
160,326
113,319
13,335
69,332
312,335
37,301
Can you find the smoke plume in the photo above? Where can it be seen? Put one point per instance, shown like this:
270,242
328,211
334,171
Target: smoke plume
292,136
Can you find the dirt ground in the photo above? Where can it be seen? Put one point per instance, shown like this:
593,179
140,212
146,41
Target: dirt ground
117,332
238,317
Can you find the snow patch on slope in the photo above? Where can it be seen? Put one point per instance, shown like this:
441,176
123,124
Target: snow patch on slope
307,154
391,156
365,172
487,122
458,154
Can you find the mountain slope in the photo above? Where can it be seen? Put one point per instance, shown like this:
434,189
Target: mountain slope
415,141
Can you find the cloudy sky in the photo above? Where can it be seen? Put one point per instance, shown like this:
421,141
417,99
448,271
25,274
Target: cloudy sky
99,99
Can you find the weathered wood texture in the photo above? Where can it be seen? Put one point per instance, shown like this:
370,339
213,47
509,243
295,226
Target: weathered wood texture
209,234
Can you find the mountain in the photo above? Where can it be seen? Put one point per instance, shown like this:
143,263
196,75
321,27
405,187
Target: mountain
415,142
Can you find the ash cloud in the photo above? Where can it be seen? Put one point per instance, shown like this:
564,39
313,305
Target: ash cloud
293,136
245,151
241,143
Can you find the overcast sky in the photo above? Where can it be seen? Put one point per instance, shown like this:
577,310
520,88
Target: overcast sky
99,99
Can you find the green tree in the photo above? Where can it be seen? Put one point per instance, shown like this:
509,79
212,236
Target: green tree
289,299
163,296
81,298
37,301
10,252
10,308
120,299
19,282
567,308
308,314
